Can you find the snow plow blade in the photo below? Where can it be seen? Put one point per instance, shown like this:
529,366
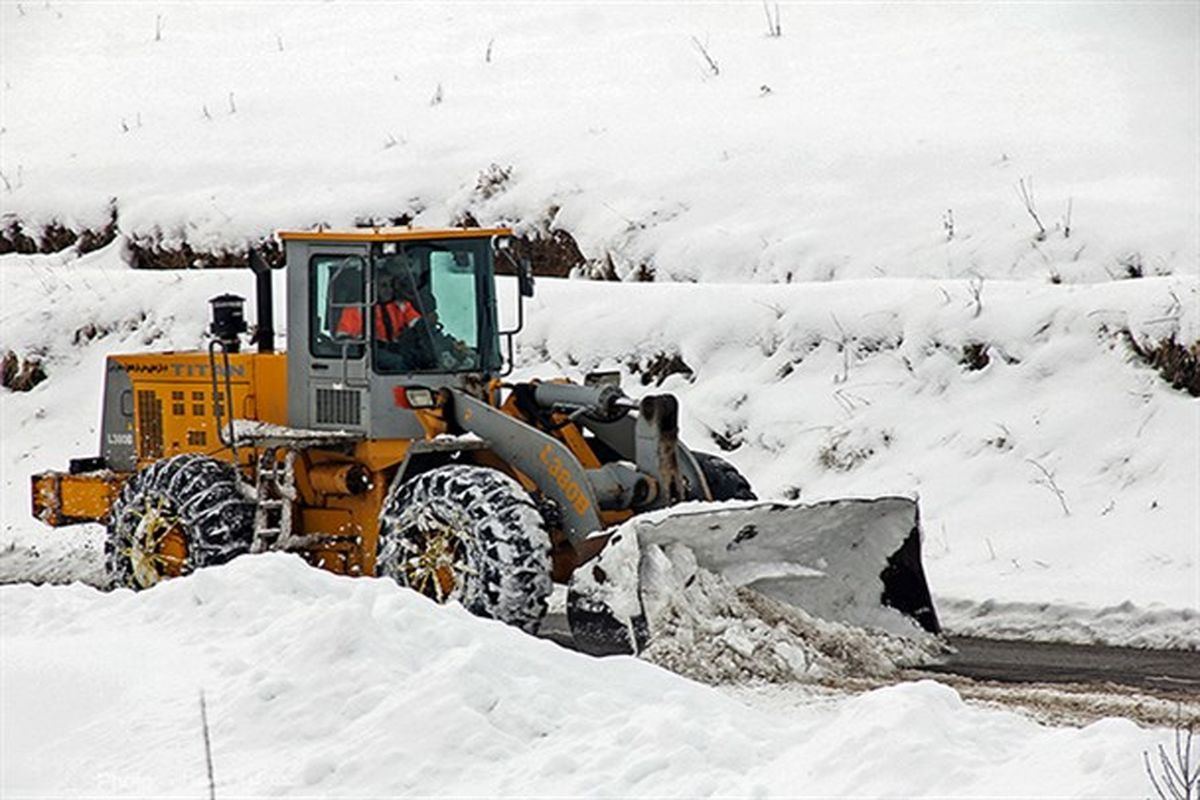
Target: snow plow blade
855,561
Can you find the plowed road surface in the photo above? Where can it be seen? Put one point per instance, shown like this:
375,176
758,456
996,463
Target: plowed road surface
1047,662
1176,672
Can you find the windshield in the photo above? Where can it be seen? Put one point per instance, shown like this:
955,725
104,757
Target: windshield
433,307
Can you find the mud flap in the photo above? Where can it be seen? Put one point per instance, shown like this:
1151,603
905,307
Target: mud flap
856,561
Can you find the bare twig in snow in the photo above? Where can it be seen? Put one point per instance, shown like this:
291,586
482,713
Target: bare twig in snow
438,96
850,401
1025,190
776,309
158,27
1067,219
712,64
232,105
844,344
212,784
976,287
948,223
1048,481
1176,306
279,42
207,115
487,56
773,28
1178,771
389,141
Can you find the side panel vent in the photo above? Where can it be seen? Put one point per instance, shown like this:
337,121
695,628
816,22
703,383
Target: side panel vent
149,421
339,407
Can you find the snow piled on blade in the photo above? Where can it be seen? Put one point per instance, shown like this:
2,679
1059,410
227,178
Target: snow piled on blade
702,626
319,685
827,558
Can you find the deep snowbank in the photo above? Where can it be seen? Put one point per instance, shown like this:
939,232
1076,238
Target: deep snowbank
844,389
324,686
860,389
867,140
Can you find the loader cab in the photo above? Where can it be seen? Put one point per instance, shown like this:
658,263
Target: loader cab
375,310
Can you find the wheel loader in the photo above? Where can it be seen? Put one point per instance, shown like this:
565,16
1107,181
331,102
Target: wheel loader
387,442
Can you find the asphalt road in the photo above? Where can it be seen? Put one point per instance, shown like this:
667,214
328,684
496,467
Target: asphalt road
1049,662
1021,662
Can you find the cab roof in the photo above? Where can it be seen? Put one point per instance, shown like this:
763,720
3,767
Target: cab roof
387,234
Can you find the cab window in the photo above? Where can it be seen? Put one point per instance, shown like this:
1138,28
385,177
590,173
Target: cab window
337,305
441,305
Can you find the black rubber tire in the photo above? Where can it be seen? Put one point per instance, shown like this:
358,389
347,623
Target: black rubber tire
502,547
724,480
203,494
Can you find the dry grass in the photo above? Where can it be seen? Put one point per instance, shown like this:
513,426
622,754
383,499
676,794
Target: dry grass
1177,363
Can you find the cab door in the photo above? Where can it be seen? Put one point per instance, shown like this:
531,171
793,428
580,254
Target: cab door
328,326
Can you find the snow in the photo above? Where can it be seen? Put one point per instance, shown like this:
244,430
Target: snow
833,151
834,225
893,413
827,559
318,685
703,626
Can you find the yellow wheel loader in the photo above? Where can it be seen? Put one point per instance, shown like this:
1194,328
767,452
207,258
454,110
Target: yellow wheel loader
386,442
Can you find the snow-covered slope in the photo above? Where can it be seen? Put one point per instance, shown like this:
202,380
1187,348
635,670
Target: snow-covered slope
320,686
825,390
866,140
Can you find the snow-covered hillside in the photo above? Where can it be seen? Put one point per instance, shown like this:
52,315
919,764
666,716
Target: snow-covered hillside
866,140
982,407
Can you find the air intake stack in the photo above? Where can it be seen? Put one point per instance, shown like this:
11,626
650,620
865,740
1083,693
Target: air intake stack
228,321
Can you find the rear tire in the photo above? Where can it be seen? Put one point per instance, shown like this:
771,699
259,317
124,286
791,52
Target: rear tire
176,516
724,480
468,533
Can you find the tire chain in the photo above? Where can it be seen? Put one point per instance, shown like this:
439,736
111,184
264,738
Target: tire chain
507,547
205,493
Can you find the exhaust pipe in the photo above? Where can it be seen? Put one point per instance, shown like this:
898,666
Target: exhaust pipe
264,337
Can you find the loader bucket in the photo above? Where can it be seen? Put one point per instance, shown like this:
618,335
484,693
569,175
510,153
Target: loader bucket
856,561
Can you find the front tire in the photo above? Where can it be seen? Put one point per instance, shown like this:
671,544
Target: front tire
471,534
175,516
724,480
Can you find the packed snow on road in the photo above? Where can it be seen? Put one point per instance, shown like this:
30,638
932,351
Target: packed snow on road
895,250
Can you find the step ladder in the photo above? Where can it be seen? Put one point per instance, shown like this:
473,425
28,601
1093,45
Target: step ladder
275,492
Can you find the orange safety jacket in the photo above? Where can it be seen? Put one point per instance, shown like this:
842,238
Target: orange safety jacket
391,319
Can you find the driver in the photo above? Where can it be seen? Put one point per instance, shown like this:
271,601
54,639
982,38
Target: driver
392,316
